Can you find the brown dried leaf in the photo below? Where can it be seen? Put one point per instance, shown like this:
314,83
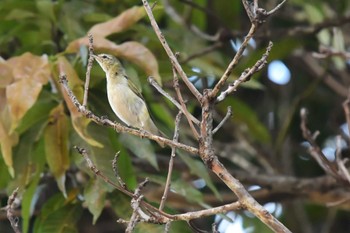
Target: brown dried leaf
21,96
29,73
6,76
119,23
29,66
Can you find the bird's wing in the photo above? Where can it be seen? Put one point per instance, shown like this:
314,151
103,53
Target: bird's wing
134,88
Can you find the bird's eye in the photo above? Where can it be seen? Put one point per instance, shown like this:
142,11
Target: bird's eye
104,56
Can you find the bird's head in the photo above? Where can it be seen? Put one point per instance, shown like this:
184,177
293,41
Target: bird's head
109,63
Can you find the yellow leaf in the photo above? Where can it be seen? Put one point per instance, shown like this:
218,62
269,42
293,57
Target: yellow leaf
119,23
7,141
56,145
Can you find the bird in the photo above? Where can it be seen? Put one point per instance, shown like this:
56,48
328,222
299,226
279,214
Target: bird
124,97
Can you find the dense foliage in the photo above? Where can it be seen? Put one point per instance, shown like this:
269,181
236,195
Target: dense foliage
261,144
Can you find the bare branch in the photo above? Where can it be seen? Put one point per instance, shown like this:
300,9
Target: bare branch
202,52
245,199
258,15
247,74
167,227
276,8
9,209
214,228
314,29
331,52
183,105
342,170
171,162
314,150
346,107
177,18
320,73
233,63
208,156
88,69
153,82
209,212
171,55
115,169
137,213
228,115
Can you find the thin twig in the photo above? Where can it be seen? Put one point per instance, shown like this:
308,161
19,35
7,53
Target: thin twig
209,212
342,170
167,227
214,228
276,8
154,83
247,74
88,69
9,209
115,169
314,29
346,107
177,18
248,8
256,14
171,162
183,105
137,213
170,53
228,115
315,151
202,52
233,63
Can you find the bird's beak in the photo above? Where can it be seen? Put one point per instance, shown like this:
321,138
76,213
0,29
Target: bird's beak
95,57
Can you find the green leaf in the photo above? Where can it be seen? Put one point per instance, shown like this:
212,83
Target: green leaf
120,204
31,193
142,148
125,168
4,174
186,190
243,114
62,220
38,113
197,167
26,161
147,227
46,8
18,14
314,14
95,196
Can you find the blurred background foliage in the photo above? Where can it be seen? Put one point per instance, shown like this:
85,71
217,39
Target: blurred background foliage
40,39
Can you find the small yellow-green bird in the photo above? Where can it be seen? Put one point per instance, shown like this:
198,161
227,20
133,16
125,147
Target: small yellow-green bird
123,96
